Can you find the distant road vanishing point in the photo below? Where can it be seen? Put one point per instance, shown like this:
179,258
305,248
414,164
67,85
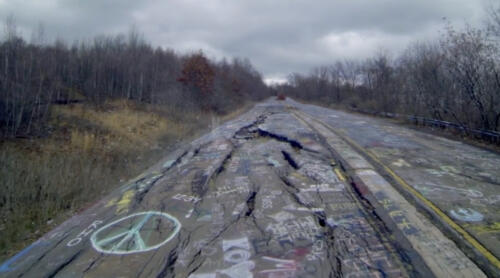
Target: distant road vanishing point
290,190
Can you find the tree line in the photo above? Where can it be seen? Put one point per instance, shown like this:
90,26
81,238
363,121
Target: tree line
455,78
35,75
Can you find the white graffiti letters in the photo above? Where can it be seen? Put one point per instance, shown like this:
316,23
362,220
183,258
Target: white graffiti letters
236,256
281,266
293,230
324,187
237,251
186,198
317,251
84,233
242,269
241,243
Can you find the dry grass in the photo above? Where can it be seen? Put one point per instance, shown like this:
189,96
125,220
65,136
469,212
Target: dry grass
38,185
88,153
122,125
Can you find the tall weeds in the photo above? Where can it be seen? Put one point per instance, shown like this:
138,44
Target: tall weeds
87,154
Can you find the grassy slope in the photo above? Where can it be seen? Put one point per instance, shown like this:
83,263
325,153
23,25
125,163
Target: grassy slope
88,153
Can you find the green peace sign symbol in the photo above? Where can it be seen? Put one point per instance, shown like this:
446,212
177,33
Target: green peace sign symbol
138,232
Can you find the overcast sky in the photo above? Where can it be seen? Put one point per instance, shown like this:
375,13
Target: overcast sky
278,36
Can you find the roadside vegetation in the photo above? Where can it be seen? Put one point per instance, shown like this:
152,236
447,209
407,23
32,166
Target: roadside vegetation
78,120
454,79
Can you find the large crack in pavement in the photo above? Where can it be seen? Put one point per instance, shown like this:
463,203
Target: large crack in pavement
281,172
257,198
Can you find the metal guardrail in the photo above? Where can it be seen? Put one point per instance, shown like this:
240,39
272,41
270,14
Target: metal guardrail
487,135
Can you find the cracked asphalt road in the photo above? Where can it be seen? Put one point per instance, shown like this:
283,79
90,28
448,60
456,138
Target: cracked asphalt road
290,190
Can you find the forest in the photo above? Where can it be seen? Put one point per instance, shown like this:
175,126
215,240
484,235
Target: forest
455,78
36,75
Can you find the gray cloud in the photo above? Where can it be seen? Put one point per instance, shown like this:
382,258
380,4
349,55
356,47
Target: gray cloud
279,36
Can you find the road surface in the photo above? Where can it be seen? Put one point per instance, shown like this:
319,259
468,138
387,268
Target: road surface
290,190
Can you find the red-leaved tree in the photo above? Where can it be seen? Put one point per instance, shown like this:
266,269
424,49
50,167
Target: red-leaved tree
198,76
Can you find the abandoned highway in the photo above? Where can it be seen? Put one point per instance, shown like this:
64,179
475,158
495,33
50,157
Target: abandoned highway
290,190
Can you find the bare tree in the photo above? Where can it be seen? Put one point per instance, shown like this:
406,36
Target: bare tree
36,75
469,60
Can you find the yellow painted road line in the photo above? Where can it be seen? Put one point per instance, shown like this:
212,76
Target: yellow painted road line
466,235
343,178
339,174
